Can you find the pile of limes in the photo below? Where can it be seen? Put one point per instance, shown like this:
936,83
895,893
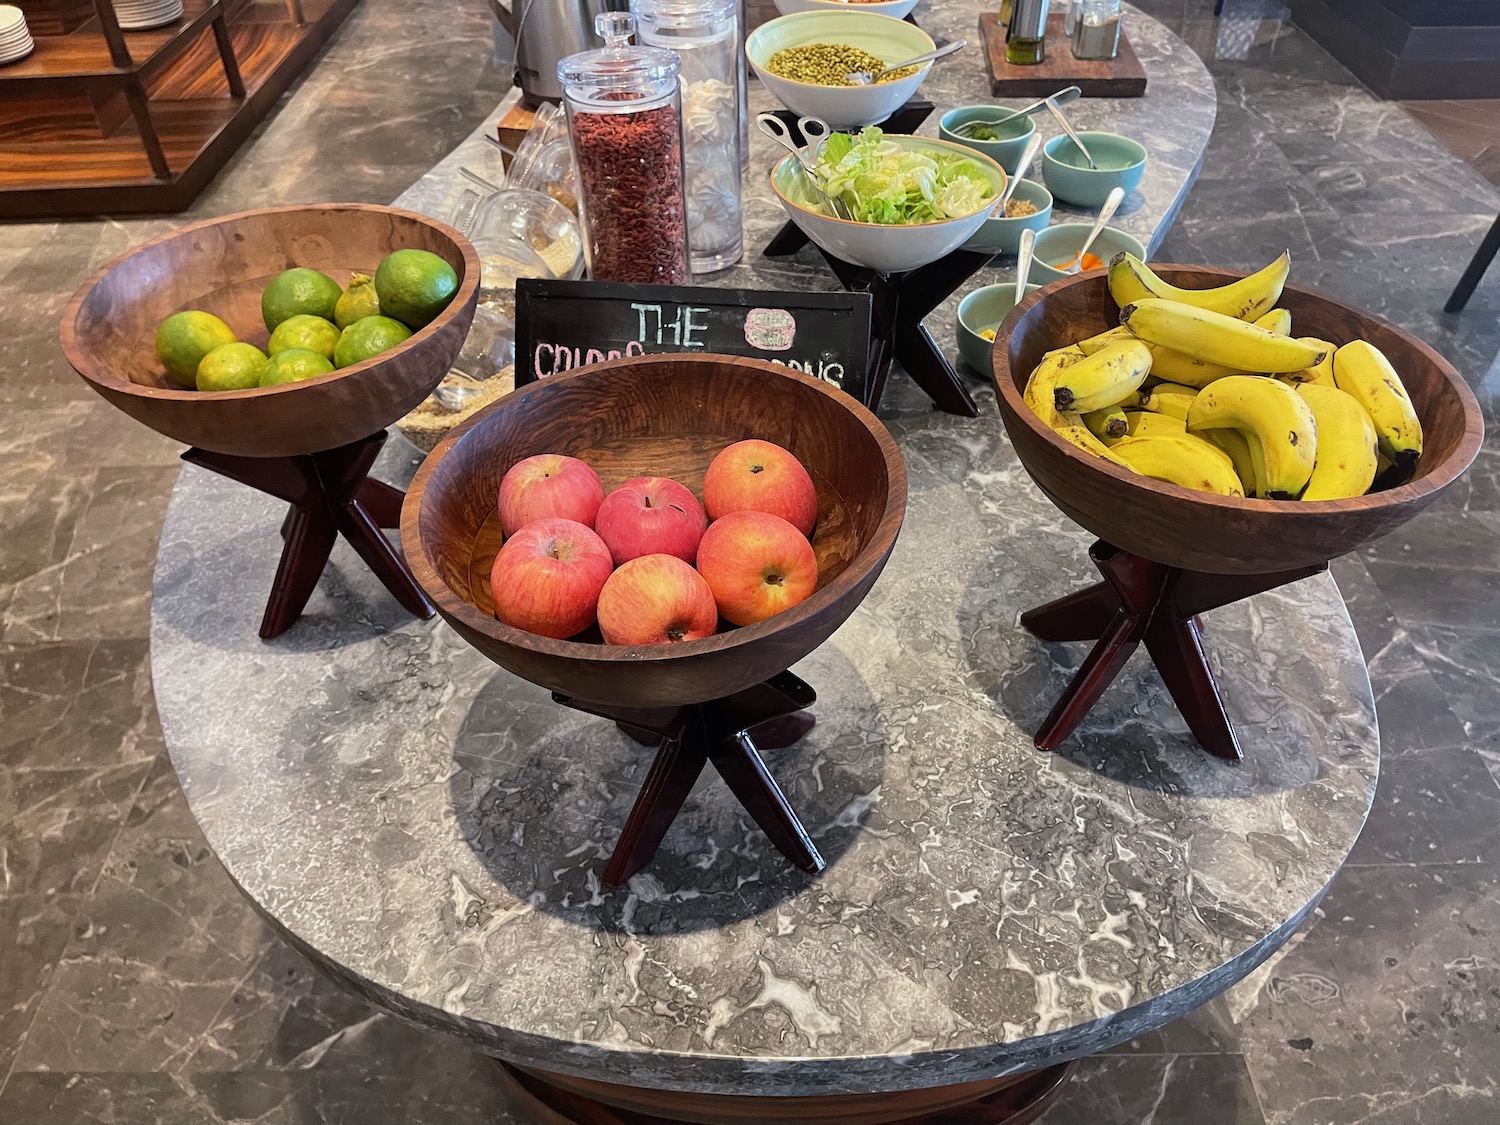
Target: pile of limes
315,325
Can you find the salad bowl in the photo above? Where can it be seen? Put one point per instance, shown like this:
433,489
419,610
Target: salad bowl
892,232
842,107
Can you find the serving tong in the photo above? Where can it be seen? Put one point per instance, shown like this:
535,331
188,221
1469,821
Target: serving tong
815,131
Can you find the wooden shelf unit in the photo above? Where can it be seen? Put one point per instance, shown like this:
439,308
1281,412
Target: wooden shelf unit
100,120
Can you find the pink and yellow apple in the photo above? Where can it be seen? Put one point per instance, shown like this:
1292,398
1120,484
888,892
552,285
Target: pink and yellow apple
656,600
651,516
548,576
760,476
757,565
548,486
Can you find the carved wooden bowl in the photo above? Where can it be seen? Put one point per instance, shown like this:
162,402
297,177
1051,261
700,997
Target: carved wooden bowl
1226,535
662,416
221,266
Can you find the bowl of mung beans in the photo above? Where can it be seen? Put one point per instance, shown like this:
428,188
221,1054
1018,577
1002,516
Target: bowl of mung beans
802,59
897,9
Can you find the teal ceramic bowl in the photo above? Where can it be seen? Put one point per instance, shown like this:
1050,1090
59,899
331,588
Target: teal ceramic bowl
1004,235
1060,243
1011,137
1122,163
984,308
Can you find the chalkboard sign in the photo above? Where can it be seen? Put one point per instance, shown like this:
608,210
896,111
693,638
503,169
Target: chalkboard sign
561,325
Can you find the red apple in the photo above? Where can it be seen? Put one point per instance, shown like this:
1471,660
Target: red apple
651,516
757,565
545,487
656,600
760,476
547,578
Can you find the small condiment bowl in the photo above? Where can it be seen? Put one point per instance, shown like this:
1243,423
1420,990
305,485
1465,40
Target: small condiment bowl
1060,243
843,107
886,248
1121,161
1010,136
896,9
1004,235
984,308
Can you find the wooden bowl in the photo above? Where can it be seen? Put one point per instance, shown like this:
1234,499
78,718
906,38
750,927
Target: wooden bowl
1226,535
221,266
664,416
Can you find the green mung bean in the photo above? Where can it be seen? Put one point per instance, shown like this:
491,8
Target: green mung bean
825,64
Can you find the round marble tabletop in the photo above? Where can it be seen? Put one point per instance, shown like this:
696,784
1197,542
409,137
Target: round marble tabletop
431,830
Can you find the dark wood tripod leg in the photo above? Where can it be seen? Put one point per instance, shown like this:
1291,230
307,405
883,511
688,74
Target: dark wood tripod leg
381,500
1098,671
739,763
1083,616
1176,648
678,762
310,535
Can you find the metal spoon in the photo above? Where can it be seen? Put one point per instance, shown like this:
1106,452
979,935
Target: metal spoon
1023,264
1106,213
1028,154
1062,97
815,129
1068,129
865,78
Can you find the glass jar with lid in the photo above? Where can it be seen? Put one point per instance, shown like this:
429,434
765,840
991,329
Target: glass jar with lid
1096,32
704,33
625,124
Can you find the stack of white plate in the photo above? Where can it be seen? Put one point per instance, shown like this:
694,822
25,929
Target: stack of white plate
137,15
15,37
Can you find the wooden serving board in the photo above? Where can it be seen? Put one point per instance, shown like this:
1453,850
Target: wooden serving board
1119,77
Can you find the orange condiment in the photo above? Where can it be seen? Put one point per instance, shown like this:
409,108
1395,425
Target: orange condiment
1090,262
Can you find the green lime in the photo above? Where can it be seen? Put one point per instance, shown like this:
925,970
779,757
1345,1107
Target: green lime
232,367
183,339
293,365
298,291
414,286
369,336
303,331
358,301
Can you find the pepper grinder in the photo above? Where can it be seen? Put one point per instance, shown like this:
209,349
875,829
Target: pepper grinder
1026,36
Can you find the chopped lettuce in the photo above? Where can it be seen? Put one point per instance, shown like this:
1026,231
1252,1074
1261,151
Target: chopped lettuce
881,181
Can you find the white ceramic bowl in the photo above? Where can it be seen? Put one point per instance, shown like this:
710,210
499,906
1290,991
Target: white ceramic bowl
896,9
843,107
877,246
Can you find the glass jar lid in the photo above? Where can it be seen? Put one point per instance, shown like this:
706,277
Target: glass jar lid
684,14
618,72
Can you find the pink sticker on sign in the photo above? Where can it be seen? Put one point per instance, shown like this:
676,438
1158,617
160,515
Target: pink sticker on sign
770,330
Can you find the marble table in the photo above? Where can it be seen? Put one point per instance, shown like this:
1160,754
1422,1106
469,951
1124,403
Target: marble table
431,830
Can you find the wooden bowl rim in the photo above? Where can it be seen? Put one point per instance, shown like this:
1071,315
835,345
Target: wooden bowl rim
99,374
1443,474
859,566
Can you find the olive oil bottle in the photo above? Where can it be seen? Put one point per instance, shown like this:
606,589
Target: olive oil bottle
1026,34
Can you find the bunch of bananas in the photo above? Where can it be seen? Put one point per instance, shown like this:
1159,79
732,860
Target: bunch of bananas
1209,389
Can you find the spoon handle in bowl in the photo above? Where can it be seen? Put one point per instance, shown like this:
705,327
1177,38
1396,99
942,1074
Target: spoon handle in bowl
1023,263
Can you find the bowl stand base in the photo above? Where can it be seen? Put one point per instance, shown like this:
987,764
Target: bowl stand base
1144,601
901,300
728,732
330,494
558,1099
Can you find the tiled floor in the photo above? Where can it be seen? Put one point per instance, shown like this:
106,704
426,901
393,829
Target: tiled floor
136,987
1470,128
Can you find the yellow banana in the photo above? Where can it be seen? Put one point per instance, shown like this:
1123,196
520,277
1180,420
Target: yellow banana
1131,280
1180,459
1106,378
1104,339
1146,423
1169,398
1278,321
1038,393
1277,423
1175,367
1234,445
1107,423
1217,338
1348,448
1361,369
1070,427
1318,372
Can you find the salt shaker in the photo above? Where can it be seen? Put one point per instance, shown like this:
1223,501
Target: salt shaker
704,33
625,124
1097,34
